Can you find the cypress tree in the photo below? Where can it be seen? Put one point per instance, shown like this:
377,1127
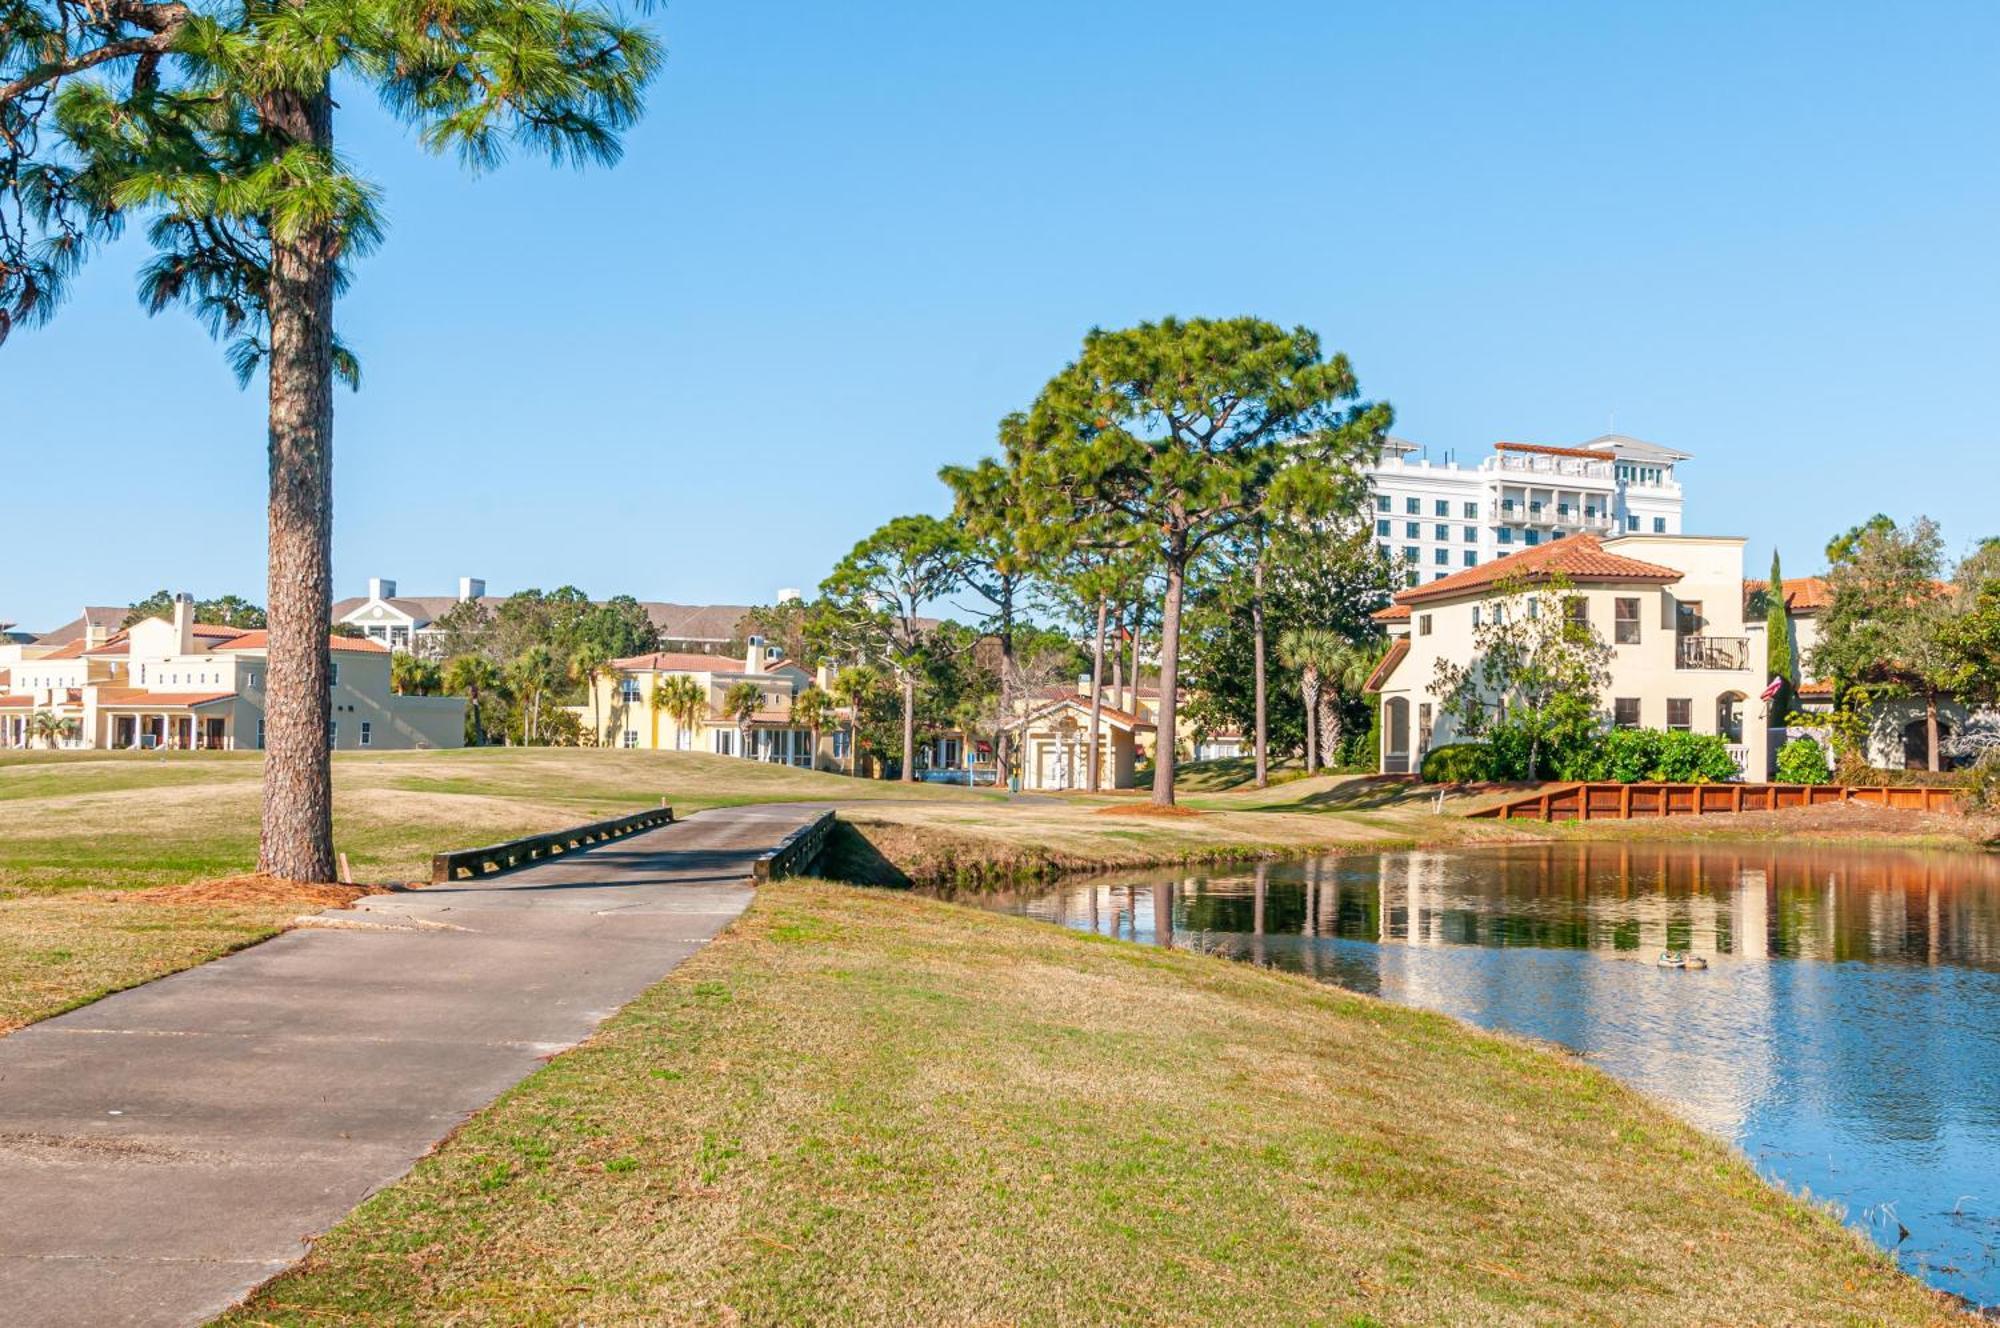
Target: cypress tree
1778,660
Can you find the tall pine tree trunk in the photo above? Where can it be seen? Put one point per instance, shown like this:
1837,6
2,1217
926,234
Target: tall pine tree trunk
297,838
1931,732
909,728
1170,648
1257,653
1097,692
1309,690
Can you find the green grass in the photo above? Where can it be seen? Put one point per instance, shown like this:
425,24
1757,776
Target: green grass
858,1107
80,832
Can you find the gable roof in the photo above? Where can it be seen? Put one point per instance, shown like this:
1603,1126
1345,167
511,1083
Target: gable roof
1380,677
260,639
1542,449
696,622
1394,613
1110,714
1625,445
104,617
1580,558
1805,594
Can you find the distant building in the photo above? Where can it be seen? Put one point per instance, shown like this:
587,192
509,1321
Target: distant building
1441,517
623,714
409,622
177,684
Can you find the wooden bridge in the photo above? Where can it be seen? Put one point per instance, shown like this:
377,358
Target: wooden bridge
1624,802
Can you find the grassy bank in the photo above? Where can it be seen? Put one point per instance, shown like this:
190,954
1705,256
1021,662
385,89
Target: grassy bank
87,839
860,1107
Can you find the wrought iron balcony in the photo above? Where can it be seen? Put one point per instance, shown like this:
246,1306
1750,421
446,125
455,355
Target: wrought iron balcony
1727,653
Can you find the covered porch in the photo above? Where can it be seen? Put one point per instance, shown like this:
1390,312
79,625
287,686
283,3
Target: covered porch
153,726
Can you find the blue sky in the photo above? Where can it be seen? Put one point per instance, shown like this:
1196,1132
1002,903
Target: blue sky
848,238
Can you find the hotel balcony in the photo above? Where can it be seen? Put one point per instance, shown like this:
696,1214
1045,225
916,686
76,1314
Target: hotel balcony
1548,516
1538,464
1729,654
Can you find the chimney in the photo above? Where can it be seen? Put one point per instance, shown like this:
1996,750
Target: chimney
381,588
753,655
469,588
183,624
823,676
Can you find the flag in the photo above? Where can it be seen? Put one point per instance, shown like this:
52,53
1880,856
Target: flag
1771,693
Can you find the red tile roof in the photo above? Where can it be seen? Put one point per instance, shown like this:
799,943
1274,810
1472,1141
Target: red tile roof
259,639
1380,676
1806,594
1821,687
1394,613
73,650
1580,558
673,662
22,700
1542,450
139,696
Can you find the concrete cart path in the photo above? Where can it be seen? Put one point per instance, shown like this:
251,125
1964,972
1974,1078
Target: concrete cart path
166,1149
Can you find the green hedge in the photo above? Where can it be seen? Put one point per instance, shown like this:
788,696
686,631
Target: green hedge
1803,761
1457,763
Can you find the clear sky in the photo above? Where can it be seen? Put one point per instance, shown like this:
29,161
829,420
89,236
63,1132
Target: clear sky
848,238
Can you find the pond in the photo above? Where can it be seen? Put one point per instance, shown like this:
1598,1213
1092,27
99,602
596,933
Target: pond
1845,1033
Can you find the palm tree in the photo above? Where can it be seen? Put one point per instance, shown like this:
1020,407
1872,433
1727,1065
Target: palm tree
529,676
50,727
1342,674
814,709
851,687
683,699
587,663
1310,652
741,703
473,677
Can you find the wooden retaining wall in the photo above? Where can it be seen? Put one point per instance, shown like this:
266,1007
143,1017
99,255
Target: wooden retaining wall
467,863
1624,802
797,853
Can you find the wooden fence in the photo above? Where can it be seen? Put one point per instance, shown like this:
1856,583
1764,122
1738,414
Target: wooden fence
1624,802
797,853
467,863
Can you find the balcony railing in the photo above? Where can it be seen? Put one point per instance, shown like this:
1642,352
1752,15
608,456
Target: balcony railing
1727,653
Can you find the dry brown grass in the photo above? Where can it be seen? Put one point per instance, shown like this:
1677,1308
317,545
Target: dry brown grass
864,1108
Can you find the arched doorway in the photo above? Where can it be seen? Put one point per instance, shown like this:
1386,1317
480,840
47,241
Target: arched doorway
1396,723
1729,716
1917,744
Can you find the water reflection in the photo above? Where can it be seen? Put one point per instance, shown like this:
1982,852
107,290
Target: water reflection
1846,1034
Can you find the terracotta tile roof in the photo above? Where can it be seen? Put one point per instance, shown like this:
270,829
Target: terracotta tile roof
218,631
24,700
676,662
259,639
73,650
1581,558
1822,687
1542,450
124,696
1380,677
1394,613
1805,594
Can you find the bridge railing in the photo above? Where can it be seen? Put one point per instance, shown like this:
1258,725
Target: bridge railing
797,853
471,863
1624,802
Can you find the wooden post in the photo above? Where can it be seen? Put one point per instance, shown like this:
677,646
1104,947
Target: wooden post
1624,802
346,872
1736,801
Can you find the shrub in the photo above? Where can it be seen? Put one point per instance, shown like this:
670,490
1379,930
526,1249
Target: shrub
1803,761
1457,763
1982,791
1695,758
1634,756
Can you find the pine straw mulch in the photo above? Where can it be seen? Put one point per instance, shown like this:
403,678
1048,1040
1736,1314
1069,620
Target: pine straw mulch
257,888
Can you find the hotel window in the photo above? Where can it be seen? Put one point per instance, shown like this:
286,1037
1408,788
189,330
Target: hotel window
1625,712
1532,537
1443,508
1472,558
1413,507
1442,557
1410,552
1680,714
1381,502
628,691
1443,532
1472,511
1659,525
1576,609
631,738
1631,522
1625,624
1382,529
1562,509
1413,529
1472,534
1423,624
367,733
1409,578
1506,535
1507,504
399,636
1386,555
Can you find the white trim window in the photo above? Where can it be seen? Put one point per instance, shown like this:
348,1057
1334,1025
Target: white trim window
260,734
367,732
725,742
631,738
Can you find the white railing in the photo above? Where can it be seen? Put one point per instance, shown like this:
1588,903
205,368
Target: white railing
1535,464
1741,755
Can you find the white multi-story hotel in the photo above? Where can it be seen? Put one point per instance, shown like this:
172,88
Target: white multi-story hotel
1441,517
